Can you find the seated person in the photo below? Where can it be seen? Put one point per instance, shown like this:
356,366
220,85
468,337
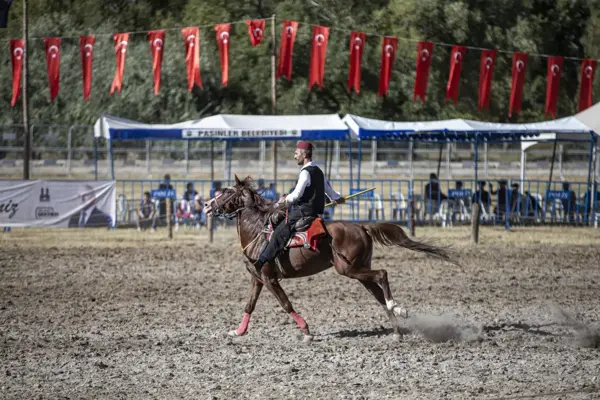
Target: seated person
482,197
433,195
500,209
270,193
146,214
198,211
569,205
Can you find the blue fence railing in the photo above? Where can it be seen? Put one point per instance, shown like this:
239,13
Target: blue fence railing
440,202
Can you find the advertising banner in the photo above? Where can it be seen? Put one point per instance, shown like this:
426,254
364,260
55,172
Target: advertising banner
72,204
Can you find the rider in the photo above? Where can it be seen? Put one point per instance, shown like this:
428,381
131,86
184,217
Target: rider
308,199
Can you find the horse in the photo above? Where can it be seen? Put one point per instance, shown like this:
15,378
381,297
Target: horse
347,247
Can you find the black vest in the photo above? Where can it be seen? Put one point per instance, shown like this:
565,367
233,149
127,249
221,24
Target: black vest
312,201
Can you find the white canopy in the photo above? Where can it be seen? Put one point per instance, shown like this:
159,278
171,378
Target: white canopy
570,128
589,118
227,127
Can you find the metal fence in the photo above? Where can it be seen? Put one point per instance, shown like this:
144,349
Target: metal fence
441,203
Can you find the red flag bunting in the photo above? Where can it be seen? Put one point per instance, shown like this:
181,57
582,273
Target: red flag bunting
486,72
16,57
519,65
388,53
157,45
457,56
121,40
555,66
86,48
286,49
191,38
53,64
357,45
256,31
223,40
318,54
588,67
424,55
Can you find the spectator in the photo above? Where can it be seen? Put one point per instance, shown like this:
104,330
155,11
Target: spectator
432,189
162,205
570,204
270,193
515,196
482,197
500,209
261,187
190,194
459,203
433,195
146,215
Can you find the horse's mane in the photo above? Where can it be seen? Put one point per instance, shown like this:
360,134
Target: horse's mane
260,203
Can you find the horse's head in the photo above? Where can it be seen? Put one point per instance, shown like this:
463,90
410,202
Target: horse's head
229,201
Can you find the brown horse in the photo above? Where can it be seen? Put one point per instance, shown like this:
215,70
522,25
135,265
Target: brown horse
348,247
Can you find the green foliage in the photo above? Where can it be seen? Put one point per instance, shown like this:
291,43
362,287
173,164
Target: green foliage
569,28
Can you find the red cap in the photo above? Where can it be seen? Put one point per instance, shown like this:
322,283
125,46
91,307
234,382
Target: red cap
304,146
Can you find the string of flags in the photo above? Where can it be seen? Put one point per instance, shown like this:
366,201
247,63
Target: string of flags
319,41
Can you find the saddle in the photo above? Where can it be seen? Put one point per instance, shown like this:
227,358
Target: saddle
308,231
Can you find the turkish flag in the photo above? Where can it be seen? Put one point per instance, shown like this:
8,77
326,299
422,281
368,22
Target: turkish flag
86,48
457,56
424,55
120,52
191,37
486,72
53,64
318,54
588,67
16,58
388,53
256,31
555,66
357,45
157,47
223,40
519,65
286,49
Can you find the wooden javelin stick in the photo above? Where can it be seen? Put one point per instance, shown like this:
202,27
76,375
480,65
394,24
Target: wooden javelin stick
353,195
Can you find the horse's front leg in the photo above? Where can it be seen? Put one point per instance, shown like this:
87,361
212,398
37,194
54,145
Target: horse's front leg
255,289
270,280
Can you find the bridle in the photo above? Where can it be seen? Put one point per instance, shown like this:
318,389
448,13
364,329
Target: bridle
218,206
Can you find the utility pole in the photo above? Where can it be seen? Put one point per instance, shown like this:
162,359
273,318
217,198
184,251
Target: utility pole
273,94
27,151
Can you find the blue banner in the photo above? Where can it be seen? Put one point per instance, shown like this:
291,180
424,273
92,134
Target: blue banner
459,193
557,194
164,194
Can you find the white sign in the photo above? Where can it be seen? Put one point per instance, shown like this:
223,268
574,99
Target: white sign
72,204
238,133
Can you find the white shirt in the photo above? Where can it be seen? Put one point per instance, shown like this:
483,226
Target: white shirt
304,182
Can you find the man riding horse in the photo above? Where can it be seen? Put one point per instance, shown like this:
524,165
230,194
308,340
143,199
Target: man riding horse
308,200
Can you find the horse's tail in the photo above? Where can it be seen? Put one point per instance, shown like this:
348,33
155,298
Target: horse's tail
388,234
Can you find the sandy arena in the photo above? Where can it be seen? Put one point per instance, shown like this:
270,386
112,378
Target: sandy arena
127,314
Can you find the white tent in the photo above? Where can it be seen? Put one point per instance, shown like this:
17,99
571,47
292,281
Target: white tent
227,127
571,128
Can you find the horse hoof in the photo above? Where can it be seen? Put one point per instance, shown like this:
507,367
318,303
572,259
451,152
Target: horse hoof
400,312
307,338
396,337
232,333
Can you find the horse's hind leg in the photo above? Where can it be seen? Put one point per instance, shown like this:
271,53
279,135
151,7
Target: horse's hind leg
255,289
274,287
379,277
377,292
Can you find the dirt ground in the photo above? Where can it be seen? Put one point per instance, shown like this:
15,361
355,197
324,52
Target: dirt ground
127,314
